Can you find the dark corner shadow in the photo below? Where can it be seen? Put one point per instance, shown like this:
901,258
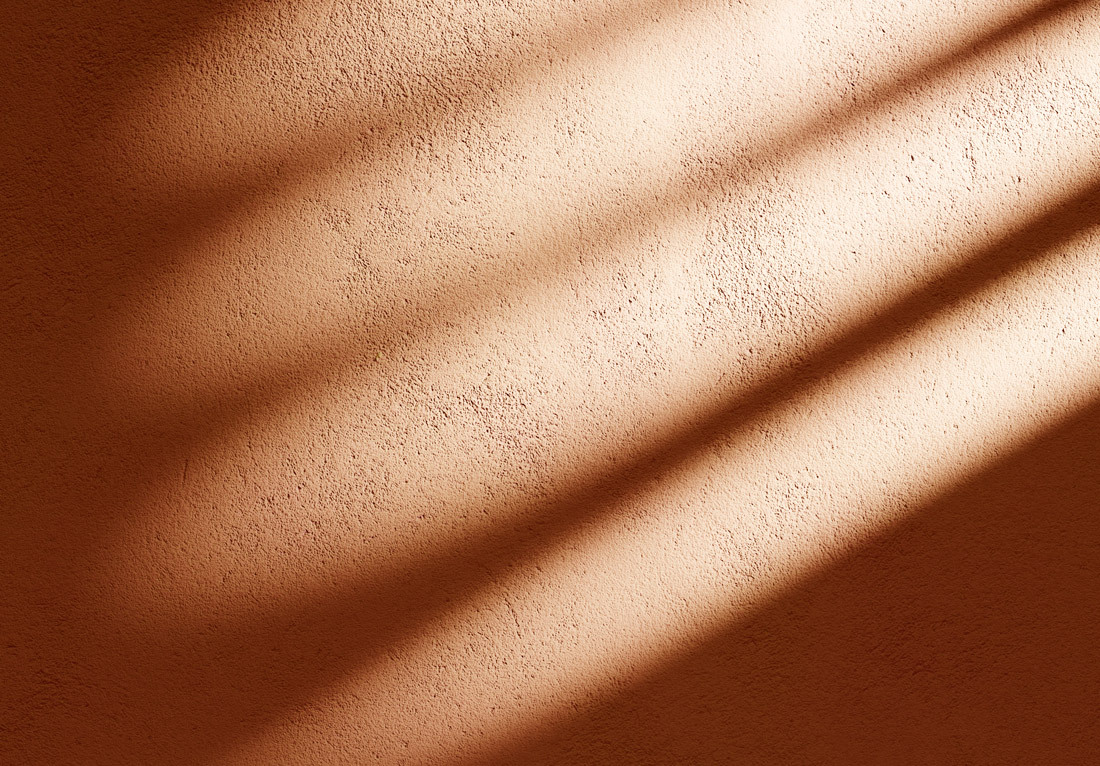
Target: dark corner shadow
51,49
352,625
968,633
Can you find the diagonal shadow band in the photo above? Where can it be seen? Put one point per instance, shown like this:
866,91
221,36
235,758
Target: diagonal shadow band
166,232
121,47
165,224
352,608
550,253
350,627
167,437
967,633
160,442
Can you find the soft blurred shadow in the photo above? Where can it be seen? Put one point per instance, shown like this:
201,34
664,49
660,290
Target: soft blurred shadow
400,602
967,634
126,255
312,642
523,265
84,246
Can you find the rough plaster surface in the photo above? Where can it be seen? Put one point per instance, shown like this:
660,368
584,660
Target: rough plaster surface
559,382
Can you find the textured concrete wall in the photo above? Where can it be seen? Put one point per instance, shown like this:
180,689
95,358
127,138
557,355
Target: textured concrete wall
550,382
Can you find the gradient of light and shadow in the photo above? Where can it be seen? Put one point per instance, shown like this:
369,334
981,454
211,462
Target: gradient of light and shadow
574,382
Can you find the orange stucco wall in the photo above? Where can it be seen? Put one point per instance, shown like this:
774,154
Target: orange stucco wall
595,382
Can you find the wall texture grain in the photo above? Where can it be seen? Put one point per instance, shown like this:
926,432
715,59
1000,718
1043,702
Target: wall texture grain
598,382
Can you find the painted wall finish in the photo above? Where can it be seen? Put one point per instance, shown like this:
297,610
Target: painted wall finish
559,382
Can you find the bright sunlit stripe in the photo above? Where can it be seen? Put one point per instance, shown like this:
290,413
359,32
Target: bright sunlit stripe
691,573
630,589
973,384
332,371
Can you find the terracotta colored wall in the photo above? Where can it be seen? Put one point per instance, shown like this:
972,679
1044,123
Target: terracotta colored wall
564,382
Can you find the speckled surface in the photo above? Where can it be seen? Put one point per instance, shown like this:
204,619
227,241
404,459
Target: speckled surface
559,382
